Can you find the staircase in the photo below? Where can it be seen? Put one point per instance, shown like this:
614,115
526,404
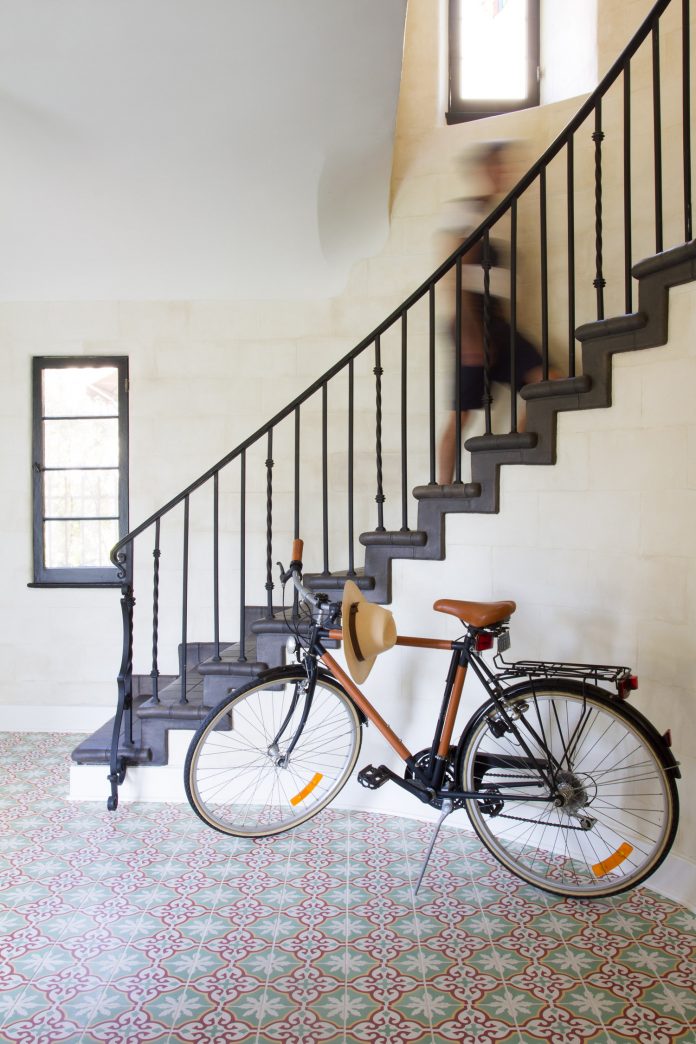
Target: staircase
151,705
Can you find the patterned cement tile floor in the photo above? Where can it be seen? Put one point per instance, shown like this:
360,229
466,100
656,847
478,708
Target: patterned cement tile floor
145,926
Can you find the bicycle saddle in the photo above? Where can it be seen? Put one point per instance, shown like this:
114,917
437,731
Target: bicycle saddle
477,614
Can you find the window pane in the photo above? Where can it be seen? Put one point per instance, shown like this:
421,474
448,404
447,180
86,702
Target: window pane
81,493
80,391
79,544
493,50
81,443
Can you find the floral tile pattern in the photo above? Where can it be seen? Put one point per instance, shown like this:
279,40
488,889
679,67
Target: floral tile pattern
145,926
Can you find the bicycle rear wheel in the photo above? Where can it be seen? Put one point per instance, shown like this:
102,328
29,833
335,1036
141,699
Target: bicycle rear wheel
242,777
616,808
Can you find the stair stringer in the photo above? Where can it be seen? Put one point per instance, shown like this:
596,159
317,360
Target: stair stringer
600,340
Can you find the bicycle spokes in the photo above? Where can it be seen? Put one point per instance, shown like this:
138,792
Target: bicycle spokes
606,819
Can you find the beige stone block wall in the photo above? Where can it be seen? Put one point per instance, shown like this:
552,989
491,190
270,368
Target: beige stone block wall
598,551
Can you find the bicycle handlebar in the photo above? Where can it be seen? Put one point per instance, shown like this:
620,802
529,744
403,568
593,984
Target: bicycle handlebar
294,572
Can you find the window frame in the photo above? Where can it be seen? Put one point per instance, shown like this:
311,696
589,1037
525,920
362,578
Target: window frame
75,576
459,109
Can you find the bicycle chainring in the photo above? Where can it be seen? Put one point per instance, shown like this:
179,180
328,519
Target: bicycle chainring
423,761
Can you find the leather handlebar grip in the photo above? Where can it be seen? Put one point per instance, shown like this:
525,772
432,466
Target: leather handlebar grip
297,549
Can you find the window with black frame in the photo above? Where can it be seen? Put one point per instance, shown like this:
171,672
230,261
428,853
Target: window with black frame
493,57
80,465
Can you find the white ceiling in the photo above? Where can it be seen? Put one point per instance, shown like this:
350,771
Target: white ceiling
169,149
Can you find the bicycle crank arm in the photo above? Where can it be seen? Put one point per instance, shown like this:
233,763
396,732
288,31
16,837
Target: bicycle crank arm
372,778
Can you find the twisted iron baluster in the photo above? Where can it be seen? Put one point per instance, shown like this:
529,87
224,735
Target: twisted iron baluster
378,371
598,137
269,526
154,673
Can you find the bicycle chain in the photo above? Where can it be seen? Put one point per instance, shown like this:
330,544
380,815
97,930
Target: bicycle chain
524,819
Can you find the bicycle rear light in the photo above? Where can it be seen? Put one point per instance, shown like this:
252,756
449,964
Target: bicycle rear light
483,641
627,686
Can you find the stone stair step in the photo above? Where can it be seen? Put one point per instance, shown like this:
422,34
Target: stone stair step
453,492
555,389
96,749
336,581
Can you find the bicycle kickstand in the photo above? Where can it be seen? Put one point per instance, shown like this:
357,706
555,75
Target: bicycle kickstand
447,807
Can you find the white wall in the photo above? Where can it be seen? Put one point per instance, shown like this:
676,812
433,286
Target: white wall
157,149
568,48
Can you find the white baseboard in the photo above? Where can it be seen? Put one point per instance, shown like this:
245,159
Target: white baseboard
39,718
675,879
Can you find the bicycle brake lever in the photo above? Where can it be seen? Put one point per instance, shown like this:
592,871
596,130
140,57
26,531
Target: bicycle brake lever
285,574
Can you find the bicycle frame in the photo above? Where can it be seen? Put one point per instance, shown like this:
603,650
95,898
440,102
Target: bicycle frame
428,785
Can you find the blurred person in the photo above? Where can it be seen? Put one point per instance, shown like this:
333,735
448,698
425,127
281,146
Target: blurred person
493,170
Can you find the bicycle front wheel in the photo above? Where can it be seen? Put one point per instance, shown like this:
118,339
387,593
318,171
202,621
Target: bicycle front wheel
614,810
263,761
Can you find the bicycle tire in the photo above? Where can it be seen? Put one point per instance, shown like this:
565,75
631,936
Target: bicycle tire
234,777
611,770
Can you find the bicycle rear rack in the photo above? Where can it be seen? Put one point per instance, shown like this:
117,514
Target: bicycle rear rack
594,673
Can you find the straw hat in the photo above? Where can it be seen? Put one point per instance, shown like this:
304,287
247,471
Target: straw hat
368,630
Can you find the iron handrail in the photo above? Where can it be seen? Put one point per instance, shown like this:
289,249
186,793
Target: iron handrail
471,241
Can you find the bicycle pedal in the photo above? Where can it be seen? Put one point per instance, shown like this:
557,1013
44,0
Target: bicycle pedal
372,777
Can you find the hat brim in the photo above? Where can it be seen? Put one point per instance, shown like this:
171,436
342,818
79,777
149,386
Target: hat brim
359,665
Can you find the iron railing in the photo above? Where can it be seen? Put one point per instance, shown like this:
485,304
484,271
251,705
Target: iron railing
277,464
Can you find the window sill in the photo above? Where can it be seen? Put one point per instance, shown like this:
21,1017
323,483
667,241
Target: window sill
68,585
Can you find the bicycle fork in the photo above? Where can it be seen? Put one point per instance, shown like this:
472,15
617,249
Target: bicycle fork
306,690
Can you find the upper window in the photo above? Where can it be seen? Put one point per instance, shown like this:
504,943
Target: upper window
493,57
80,462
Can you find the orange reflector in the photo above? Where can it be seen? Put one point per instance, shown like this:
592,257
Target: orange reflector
316,778
607,865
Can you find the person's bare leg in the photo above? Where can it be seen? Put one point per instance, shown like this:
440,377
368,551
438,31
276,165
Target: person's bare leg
447,449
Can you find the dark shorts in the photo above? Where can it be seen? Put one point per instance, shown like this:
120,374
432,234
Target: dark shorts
471,378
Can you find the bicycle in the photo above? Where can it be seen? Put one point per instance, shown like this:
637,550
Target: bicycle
565,783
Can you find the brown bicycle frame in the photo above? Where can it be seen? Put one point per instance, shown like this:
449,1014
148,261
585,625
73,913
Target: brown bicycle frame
452,697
